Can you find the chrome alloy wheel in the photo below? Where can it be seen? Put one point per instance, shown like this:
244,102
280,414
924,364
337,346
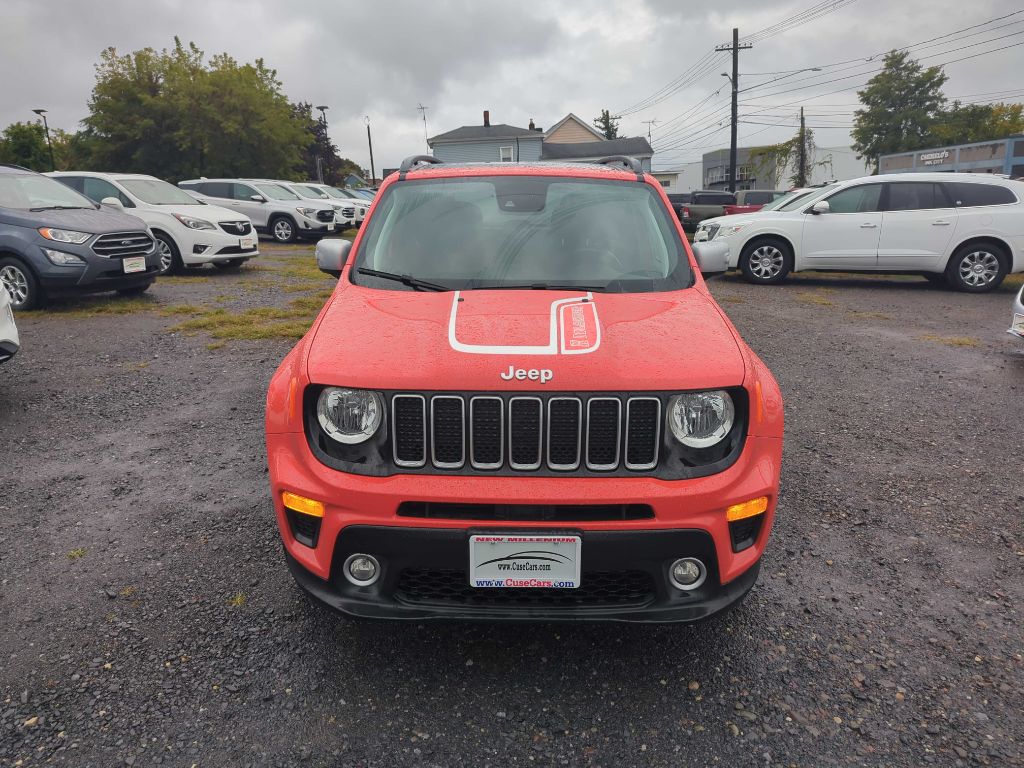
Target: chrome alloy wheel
282,230
979,268
166,255
16,283
766,262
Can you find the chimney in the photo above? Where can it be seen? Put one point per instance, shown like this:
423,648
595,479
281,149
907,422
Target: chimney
487,118
532,126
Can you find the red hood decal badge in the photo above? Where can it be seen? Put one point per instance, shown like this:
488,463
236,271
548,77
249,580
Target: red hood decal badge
573,329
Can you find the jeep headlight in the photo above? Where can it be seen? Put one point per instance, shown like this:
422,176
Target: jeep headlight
349,416
701,419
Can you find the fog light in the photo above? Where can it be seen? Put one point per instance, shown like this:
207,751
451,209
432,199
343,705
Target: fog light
362,570
687,574
200,249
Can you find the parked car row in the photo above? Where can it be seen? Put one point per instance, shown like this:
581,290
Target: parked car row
965,230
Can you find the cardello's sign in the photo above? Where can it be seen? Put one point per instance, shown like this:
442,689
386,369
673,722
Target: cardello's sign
933,158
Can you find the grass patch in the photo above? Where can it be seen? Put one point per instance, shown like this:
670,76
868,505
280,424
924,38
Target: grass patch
257,323
100,306
1014,279
77,553
870,315
237,600
182,279
732,299
213,345
952,341
807,297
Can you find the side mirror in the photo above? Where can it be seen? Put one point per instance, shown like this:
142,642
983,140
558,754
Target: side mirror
712,258
820,207
112,202
331,255
258,198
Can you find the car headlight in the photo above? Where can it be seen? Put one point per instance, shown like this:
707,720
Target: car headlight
64,235
349,416
309,213
62,259
701,419
193,223
731,229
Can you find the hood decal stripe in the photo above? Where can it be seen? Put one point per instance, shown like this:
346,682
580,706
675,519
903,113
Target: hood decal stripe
574,330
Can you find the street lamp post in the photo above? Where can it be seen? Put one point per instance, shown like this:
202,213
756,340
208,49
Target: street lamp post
46,127
369,140
319,158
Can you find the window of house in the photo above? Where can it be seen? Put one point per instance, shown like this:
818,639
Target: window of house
505,154
664,183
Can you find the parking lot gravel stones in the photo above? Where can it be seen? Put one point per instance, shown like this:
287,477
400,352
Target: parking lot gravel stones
149,618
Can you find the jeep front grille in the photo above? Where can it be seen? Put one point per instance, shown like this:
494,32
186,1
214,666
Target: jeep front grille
122,244
525,433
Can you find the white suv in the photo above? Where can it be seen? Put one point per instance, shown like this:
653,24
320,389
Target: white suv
273,209
344,215
188,232
360,205
965,229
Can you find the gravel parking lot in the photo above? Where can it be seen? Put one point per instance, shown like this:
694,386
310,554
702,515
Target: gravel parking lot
149,617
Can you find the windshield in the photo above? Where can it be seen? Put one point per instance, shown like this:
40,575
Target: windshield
275,192
307,191
799,198
524,232
363,193
336,193
29,191
156,192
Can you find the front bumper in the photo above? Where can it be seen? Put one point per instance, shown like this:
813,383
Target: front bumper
362,511
96,275
208,246
625,578
314,228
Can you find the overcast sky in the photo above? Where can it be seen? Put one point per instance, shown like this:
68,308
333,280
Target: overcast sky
521,60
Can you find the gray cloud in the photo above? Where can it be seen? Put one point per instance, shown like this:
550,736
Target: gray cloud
458,57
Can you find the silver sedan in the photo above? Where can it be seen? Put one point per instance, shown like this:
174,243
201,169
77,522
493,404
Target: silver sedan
1017,325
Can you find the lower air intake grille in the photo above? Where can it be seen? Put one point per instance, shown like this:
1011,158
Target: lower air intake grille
597,589
533,512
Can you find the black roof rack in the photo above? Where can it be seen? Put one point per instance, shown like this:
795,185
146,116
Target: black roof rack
411,162
629,162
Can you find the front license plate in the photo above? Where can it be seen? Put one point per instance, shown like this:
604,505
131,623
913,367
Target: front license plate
246,243
1018,324
330,227
134,264
524,560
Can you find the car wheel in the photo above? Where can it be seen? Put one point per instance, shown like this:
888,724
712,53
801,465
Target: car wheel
766,261
21,284
229,264
170,258
283,230
977,268
135,290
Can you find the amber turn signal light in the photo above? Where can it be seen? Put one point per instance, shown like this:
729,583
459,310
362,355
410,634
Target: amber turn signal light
746,509
301,504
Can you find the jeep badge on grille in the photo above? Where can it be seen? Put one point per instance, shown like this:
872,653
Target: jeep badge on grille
543,375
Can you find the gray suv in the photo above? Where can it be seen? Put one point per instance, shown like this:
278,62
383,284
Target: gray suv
54,240
273,210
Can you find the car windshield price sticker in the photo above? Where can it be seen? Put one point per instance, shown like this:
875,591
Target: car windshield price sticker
524,561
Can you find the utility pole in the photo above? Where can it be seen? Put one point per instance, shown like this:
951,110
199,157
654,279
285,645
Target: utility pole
802,169
650,124
423,111
735,48
46,127
369,140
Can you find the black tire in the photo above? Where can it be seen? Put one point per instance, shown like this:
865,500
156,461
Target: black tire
135,290
230,265
766,261
21,283
170,256
977,268
283,229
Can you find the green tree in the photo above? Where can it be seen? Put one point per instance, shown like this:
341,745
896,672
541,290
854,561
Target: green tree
25,144
607,124
900,105
175,115
966,123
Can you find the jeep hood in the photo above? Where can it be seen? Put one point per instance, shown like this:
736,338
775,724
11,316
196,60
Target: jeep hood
466,340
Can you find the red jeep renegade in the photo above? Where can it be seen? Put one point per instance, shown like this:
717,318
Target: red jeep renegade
522,402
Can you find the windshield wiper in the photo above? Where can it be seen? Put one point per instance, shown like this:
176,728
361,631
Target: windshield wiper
59,208
539,287
412,282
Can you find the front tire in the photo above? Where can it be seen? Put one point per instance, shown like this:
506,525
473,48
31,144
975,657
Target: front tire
282,229
21,284
170,256
978,268
766,261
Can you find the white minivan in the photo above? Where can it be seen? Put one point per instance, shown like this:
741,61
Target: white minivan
963,229
188,233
